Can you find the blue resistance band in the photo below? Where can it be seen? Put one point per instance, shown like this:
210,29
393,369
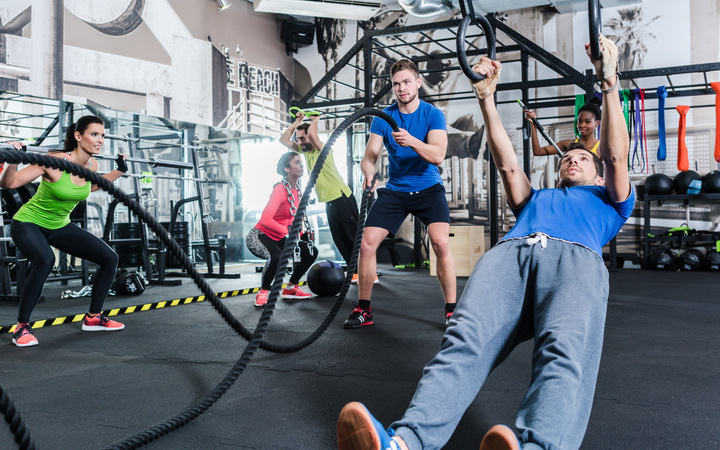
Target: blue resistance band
662,95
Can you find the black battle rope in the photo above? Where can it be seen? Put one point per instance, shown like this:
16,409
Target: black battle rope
17,157
256,339
15,420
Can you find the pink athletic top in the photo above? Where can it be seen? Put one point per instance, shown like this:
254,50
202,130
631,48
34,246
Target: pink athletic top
276,217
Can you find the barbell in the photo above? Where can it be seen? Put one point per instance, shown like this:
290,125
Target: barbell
152,162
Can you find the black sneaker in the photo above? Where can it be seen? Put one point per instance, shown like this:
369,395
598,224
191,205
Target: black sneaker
358,318
448,315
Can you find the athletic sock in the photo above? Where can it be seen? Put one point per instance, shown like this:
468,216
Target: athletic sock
450,307
364,304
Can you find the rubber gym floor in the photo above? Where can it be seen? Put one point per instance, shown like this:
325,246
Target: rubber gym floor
657,387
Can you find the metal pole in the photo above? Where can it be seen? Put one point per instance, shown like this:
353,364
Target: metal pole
526,125
46,26
132,148
493,201
201,205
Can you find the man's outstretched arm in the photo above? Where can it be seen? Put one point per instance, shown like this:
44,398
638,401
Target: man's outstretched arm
614,140
313,133
516,183
286,138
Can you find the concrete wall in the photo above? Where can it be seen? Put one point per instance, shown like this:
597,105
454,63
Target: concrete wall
159,62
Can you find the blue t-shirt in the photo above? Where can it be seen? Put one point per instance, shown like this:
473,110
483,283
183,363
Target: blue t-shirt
585,215
408,171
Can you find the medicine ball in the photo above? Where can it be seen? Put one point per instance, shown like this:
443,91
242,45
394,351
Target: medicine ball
129,283
711,182
325,278
712,260
682,181
659,184
662,259
691,260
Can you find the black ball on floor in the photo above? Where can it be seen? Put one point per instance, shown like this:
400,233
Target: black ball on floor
711,182
712,260
692,259
662,259
325,278
659,184
682,181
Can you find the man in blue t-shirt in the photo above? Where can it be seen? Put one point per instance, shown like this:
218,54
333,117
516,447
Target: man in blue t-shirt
545,281
414,187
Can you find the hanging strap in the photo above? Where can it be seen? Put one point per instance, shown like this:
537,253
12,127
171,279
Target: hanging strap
637,162
682,162
579,103
643,143
625,98
716,87
662,151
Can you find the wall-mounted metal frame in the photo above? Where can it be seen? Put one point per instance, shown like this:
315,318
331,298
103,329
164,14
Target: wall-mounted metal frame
371,88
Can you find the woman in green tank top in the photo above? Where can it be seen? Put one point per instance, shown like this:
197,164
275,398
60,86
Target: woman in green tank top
44,221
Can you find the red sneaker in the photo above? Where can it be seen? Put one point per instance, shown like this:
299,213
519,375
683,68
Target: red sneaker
261,297
100,322
355,279
294,291
23,336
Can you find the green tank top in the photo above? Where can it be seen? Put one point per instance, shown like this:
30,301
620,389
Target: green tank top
330,185
51,206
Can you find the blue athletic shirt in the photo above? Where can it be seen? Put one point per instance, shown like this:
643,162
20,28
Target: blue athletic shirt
408,171
585,215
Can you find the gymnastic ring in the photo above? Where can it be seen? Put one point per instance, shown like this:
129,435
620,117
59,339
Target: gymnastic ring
595,27
462,57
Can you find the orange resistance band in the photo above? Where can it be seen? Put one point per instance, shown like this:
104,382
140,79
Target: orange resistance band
716,87
682,162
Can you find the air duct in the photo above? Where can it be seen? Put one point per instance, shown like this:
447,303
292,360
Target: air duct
426,8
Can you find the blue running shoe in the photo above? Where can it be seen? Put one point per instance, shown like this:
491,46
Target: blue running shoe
357,429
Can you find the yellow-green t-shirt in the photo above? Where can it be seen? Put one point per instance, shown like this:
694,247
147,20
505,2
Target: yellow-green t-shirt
330,184
52,204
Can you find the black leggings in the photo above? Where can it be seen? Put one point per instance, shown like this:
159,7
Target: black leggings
342,215
34,243
263,246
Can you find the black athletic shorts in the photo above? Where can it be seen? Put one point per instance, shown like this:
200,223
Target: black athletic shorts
392,207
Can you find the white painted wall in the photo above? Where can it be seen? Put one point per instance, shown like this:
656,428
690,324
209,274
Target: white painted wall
169,56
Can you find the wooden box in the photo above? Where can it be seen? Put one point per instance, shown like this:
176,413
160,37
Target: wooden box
467,244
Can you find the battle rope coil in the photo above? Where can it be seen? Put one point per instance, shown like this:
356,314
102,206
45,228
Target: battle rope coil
16,157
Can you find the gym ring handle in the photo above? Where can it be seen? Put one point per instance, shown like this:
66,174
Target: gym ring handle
595,28
462,57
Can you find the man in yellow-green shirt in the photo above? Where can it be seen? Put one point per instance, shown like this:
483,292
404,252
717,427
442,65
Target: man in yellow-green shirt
331,189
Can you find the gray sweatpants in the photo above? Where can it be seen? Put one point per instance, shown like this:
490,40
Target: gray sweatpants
556,295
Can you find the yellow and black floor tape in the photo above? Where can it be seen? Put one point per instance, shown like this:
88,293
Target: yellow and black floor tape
131,309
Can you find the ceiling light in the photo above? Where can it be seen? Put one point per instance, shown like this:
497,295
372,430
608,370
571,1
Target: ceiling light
224,4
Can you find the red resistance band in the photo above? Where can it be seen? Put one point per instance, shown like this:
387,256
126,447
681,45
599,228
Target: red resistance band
682,161
716,87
